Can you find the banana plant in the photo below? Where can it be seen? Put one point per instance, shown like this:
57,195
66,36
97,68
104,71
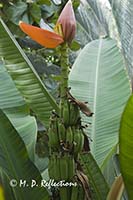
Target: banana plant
67,137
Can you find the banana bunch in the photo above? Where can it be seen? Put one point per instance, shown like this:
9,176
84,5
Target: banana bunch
71,113
61,167
74,139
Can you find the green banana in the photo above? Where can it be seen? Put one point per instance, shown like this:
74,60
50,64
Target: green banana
53,139
64,195
57,169
51,167
54,125
81,193
74,193
55,166
69,136
81,141
74,114
71,167
78,141
61,131
64,167
66,116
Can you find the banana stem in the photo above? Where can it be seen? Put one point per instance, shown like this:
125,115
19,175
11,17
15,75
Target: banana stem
64,74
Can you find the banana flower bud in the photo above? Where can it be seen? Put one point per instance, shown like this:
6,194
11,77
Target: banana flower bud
64,30
68,22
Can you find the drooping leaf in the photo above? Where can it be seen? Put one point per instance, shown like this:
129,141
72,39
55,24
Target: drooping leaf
89,26
95,19
96,179
25,77
15,108
126,147
99,13
122,11
16,164
98,76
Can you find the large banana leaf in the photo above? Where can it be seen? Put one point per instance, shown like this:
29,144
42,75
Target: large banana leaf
97,181
93,20
24,76
105,16
13,105
16,164
89,26
99,77
126,147
123,13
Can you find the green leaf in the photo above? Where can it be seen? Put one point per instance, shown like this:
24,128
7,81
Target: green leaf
16,164
25,77
75,46
35,12
9,96
76,4
97,181
90,26
108,167
126,147
15,108
98,76
16,11
41,2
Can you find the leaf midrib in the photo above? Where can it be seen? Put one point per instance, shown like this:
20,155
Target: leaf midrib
95,97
